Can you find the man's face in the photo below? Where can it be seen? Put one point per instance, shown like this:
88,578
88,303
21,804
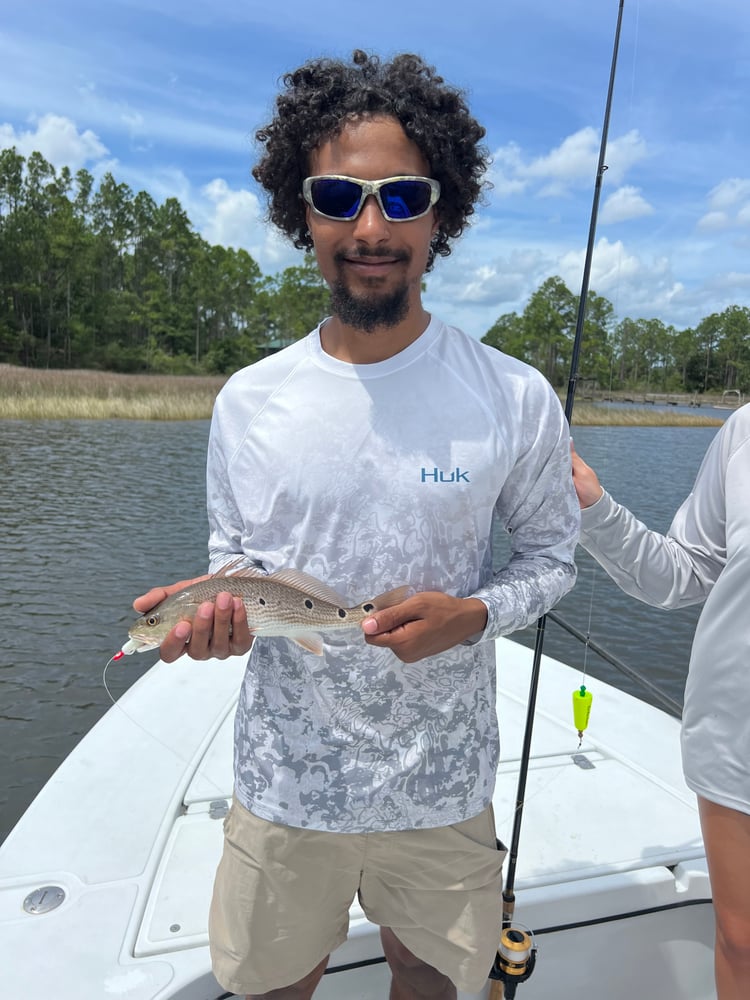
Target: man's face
374,267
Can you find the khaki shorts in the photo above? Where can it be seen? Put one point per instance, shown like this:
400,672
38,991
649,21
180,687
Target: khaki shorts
282,895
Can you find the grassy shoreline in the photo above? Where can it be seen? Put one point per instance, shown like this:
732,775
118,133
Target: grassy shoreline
76,394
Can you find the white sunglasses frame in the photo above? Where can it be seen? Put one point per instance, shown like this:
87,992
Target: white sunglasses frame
369,188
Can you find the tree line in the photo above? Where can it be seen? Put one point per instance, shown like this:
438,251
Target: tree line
105,278
643,354
102,277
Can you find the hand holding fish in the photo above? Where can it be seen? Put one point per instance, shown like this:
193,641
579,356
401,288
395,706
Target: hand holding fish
219,615
218,629
425,625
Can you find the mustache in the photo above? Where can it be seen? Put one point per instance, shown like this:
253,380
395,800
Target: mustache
362,253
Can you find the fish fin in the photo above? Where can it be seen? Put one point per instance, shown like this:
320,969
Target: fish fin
236,568
295,578
392,597
309,641
307,585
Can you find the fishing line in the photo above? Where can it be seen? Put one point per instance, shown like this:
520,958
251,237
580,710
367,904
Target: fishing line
596,574
198,772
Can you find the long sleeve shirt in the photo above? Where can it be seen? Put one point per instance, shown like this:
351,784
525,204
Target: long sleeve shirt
705,556
370,477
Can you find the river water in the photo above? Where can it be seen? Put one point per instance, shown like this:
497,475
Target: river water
93,513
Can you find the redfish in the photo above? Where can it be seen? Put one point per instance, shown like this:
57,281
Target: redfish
287,603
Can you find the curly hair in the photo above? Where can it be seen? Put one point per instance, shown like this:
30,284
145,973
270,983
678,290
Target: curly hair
324,94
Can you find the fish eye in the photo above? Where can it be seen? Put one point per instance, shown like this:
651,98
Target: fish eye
153,620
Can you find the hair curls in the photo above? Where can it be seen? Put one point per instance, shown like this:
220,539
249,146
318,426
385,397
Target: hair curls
323,94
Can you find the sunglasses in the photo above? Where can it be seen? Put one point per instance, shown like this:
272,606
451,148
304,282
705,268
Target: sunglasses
401,199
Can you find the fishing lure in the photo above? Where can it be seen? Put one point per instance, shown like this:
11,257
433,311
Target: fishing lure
581,710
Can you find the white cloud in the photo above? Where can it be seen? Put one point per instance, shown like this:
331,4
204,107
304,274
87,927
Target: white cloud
570,165
636,287
505,172
235,214
503,279
610,266
729,205
57,138
623,153
573,160
728,193
234,217
714,221
626,203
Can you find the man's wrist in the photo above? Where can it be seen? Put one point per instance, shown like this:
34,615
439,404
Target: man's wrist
476,619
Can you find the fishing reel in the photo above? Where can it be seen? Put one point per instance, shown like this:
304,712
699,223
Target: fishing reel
514,962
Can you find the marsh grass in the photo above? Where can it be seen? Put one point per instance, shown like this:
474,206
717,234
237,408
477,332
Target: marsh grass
46,394
586,415
54,394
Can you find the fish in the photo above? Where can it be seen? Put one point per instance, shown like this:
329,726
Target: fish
286,603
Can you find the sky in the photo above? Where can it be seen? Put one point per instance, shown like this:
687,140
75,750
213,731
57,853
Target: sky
167,96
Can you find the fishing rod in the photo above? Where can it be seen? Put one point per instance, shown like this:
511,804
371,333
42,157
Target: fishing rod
516,955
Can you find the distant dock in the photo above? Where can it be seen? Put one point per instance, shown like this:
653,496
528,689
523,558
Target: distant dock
729,400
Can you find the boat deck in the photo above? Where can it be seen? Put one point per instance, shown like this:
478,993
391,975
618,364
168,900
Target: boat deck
609,830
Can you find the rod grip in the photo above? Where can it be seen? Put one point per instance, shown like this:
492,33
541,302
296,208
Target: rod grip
497,989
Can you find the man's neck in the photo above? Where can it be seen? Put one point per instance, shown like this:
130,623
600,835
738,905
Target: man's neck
359,347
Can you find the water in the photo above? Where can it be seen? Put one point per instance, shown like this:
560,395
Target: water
94,513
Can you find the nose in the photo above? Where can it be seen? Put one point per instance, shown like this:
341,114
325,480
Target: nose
371,226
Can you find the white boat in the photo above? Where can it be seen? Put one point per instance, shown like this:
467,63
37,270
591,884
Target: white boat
106,879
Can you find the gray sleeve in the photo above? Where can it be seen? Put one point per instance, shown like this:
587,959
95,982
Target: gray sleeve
539,509
667,571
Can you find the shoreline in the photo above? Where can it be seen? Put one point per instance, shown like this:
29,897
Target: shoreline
80,394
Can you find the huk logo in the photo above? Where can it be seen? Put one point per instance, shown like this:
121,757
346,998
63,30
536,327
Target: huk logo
438,476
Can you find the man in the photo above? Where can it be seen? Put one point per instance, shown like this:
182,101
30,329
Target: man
703,558
374,454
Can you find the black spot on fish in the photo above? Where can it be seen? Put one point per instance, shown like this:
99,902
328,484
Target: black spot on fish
262,601
342,613
368,607
309,604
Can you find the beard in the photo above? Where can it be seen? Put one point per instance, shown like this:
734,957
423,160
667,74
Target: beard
371,310
368,312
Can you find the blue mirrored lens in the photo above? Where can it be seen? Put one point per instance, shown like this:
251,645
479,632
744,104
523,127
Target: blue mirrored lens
405,199
336,197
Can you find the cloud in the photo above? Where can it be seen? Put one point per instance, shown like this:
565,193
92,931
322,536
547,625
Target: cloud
610,266
728,193
235,213
729,205
572,161
570,165
635,287
506,172
234,217
504,279
58,140
714,221
626,203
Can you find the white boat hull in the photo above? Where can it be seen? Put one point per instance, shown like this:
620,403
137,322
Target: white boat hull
611,870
